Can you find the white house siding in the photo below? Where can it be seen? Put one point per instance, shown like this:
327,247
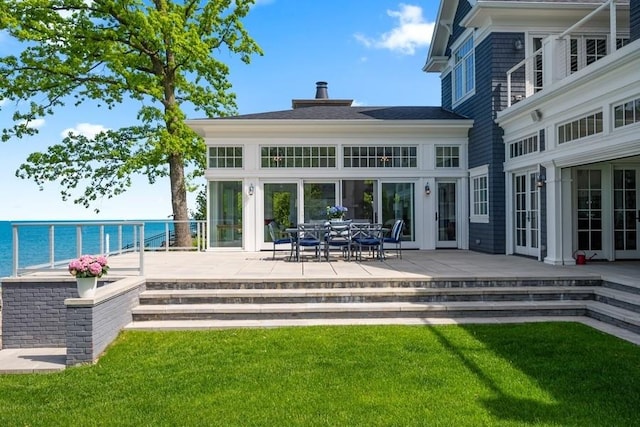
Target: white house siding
424,134
605,83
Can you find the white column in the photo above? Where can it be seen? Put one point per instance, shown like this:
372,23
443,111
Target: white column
554,190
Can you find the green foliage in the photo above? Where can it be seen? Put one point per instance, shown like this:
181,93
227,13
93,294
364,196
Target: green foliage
200,213
282,208
546,374
160,54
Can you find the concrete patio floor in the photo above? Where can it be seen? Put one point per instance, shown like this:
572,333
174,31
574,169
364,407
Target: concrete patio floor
416,265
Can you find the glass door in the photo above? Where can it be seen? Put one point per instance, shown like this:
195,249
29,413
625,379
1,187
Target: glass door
225,214
526,213
398,202
280,207
626,215
358,196
446,215
317,196
589,212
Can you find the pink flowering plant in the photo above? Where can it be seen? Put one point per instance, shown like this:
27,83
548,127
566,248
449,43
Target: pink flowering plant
89,266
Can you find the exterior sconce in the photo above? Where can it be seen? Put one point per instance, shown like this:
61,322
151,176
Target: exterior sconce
427,190
540,181
252,189
518,45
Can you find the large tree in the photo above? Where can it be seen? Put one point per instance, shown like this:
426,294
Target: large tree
159,53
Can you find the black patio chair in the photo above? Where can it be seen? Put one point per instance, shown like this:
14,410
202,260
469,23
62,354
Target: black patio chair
279,240
395,236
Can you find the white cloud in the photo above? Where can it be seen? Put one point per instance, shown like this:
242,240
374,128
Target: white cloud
35,123
85,129
357,103
410,33
2,102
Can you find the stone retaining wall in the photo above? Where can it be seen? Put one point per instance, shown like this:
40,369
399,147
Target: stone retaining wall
46,312
93,323
33,312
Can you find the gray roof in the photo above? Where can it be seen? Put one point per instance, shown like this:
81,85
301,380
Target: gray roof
355,113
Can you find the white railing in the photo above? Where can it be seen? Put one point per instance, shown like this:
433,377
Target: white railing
49,246
553,61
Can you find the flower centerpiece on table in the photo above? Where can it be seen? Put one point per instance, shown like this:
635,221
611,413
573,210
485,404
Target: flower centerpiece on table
89,266
336,212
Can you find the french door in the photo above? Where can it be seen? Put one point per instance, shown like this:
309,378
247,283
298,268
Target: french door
446,216
626,212
526,214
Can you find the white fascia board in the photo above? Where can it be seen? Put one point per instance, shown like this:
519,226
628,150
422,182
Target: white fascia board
239,128
441,33
523,15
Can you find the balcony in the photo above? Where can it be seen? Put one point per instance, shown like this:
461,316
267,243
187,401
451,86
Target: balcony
558,56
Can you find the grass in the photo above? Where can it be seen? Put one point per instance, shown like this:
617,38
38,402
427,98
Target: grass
548,374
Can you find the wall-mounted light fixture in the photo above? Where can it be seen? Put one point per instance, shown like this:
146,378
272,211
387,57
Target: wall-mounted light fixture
518,44
252,189
427,190
536,115
540,181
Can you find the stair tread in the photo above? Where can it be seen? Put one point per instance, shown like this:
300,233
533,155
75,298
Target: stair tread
617,312
618,294
352,306
359,291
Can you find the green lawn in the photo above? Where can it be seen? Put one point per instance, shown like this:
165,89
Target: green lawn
554,374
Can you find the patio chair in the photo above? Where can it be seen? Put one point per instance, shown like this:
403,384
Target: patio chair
367,236
310,236
279,240
396,236
338,235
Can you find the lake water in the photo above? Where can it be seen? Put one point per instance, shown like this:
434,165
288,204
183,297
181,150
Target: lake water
34,240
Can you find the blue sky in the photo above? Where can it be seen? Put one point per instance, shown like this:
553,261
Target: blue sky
370,51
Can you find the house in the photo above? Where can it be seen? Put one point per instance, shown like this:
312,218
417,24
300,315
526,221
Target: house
381,163
535,149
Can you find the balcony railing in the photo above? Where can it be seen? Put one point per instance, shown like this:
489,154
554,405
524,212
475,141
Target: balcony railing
562,55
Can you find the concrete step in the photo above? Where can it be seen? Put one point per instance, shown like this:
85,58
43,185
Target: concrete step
445,283
620,317
356,310
354,295
618,298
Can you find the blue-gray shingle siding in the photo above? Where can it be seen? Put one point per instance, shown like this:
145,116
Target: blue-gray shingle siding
634,20
493,57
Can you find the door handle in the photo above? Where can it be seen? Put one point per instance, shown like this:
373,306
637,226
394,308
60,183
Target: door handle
436,216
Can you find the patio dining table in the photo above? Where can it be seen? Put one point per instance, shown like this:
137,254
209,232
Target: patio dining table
318,235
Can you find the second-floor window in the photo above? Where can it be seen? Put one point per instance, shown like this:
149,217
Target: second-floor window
463,70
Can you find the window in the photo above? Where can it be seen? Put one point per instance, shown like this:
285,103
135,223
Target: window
447,157
626,113
580,128
463,70
380,157
479,178
524,146
298,156
225,157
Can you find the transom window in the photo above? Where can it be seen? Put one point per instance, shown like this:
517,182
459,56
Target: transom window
580,128
380,157
463,70
225,157
323,156
627,113
448,157
524,146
